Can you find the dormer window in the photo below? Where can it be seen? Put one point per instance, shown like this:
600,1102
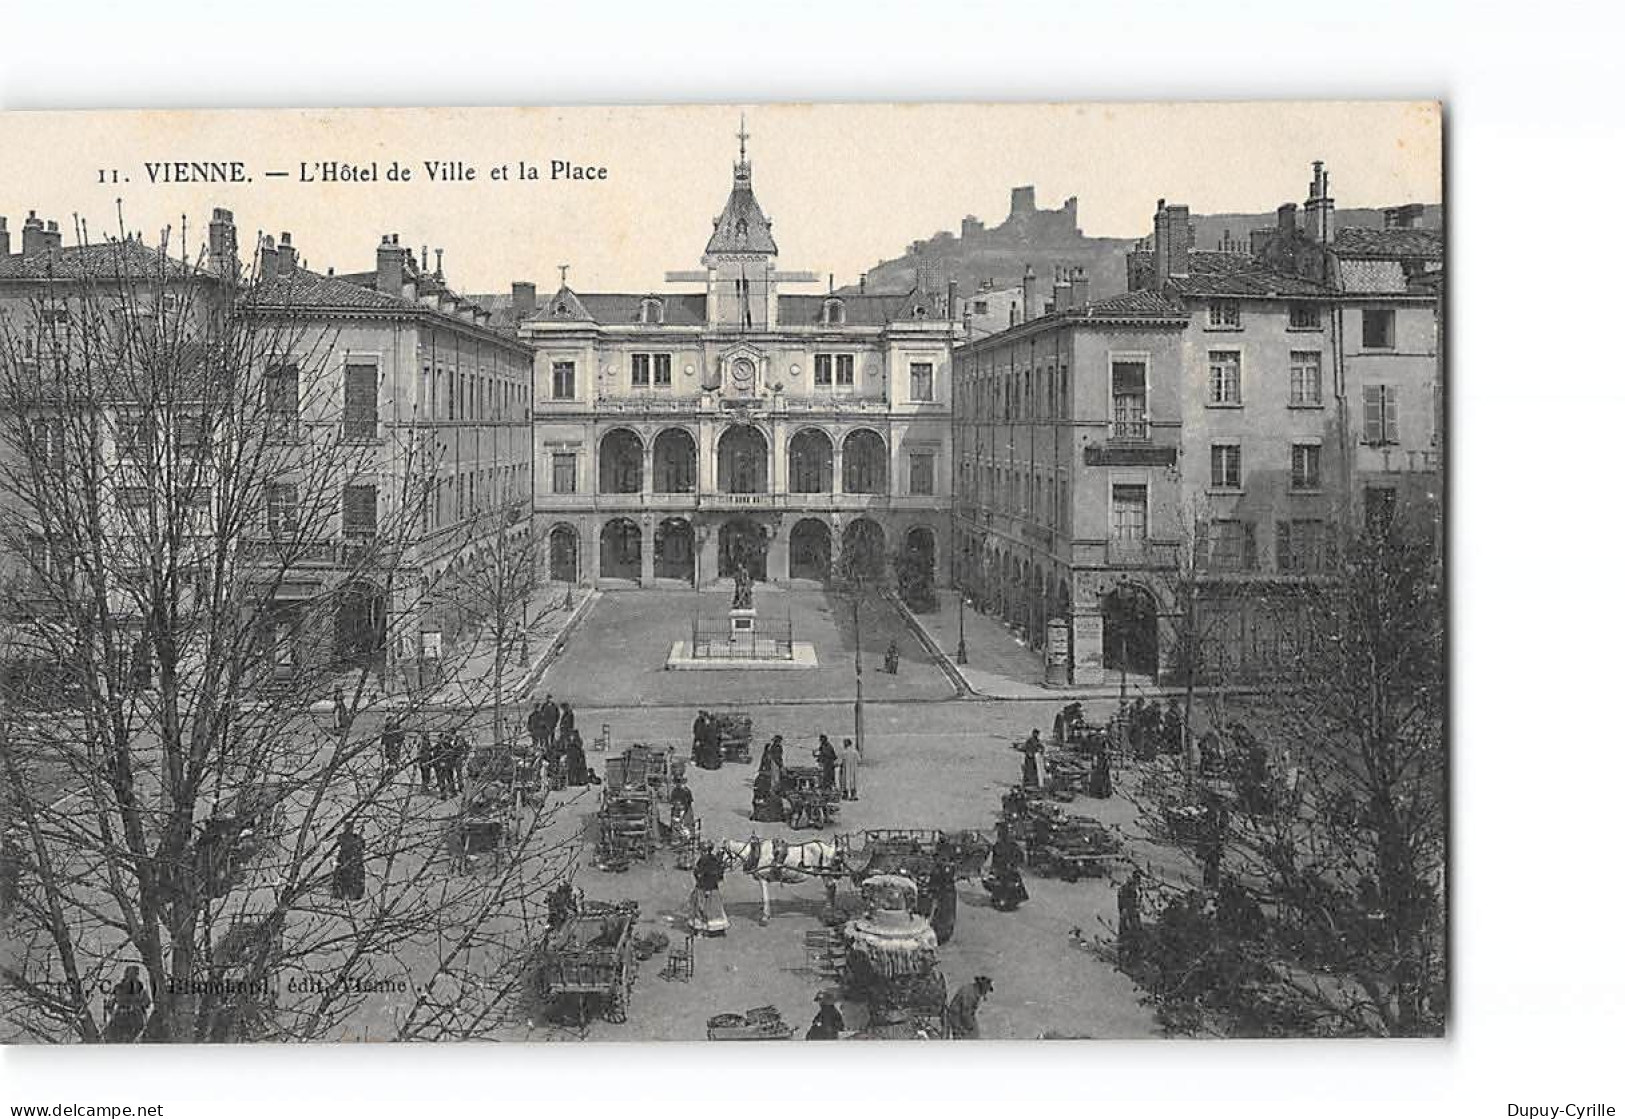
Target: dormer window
561,308
919,311
652,313
834,312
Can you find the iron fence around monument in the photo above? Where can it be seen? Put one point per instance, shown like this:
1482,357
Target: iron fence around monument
716,639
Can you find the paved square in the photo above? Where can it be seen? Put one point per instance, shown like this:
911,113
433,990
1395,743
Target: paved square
616,657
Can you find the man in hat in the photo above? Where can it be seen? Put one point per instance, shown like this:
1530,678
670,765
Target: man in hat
701,732
943,888
534,726
962,1008
682,809
705,912
425,759
1032,761
349,878
393,739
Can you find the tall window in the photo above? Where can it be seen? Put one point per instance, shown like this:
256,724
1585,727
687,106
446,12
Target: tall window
834,312
1381,414
50,444
920,374
652,312
1304,316
1224,313
1224,377
1298,546
823,369
1305,377
564,380
1128,512
1306,466
640,371
1128,400
281,510
662,371
282,399
843,370
1232,545
922,473
1377,330
1226,463
360,402
360,511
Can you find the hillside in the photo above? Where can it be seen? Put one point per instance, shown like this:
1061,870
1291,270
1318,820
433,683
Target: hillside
1047,238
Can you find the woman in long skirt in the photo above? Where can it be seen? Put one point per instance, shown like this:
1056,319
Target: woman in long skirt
705,912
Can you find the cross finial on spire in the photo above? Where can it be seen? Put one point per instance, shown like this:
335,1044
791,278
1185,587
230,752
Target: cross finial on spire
743,136
564,275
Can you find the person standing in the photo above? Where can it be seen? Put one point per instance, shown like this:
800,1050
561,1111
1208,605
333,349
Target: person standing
697,751
943,886
827,1024
127,1007
849,770
444,752
550,721
425,759
963,1007
1129,929
394,738
1004,882
705,912
827,759
349,879
459,757
341,714
1032,761
682,810
535,725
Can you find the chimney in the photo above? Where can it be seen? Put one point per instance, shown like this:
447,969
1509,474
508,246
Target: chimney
391,274
1180,238
1286,217
5,237
223,243
33,235
1062,296
288,258
863,283
524,298
268,258
1078,288
1318,209
439,272
1031,301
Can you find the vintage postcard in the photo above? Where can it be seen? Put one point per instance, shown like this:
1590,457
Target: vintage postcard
723,572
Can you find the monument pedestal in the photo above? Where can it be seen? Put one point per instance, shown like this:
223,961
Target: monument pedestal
742,626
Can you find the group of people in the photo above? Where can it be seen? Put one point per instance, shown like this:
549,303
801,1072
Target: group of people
707,750
837,773
960,1017
553,734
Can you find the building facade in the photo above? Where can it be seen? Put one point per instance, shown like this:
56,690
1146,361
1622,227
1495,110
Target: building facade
1204,436
679,434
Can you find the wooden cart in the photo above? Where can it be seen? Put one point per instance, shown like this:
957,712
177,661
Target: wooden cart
590,958
734,734
812,804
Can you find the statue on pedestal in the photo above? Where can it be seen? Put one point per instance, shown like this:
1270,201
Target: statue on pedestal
742,591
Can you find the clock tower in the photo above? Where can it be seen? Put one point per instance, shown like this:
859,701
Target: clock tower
739,260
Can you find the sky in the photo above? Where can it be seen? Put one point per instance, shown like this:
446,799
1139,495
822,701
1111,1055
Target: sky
845,185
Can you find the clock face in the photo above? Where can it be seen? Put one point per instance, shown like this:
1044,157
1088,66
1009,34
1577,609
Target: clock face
744,374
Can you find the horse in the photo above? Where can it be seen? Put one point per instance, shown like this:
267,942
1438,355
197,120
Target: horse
777,860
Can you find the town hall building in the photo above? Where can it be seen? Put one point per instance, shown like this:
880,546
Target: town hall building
728,421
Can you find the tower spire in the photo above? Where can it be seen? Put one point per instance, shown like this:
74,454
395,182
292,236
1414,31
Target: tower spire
742,168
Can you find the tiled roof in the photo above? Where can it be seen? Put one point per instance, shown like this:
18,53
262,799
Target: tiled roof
1135,304
742,228
1239,275
303,288
1386,276
105,261
1389,243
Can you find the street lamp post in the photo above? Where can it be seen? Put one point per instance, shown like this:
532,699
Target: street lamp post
959,654
857,665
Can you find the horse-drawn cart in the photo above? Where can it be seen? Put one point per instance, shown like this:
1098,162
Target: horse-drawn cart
913,852
589,957
812,804
733,735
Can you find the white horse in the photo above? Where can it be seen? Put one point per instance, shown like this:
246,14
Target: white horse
777,860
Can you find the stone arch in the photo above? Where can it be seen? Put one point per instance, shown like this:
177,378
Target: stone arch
864,461
620,550
674,549
620,462
811,544
921,541
563,554
676,461
812,461
742,540
863,548
742,460
360,623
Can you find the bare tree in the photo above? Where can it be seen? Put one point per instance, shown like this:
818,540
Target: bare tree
201,562
1321,838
